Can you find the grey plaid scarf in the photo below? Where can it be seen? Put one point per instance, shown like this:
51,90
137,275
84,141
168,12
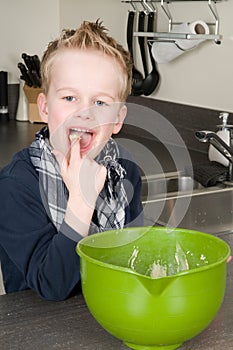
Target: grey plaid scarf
111,202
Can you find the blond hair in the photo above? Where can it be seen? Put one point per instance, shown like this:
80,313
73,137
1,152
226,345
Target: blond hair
89,36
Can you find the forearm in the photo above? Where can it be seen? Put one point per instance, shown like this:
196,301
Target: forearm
56,272
78,215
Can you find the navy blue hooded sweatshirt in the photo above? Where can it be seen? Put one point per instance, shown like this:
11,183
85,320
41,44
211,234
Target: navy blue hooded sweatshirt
33,254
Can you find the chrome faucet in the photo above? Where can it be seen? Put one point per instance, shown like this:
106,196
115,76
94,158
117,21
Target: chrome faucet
216,141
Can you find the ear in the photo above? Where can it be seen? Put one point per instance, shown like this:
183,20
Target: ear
120,119
42,107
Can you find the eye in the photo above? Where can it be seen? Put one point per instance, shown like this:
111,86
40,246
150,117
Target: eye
70,98
100,103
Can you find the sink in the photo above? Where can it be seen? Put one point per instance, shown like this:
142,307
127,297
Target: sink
179,201
157,186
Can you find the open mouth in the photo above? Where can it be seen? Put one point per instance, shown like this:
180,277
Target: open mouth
85,137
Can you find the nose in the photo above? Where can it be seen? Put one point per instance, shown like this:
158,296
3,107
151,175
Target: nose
85,113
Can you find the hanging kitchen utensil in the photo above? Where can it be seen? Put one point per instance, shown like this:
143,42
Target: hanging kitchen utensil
152,79
141,41
138,86
137,77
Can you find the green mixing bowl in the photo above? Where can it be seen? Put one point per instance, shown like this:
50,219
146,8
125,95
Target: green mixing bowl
153,287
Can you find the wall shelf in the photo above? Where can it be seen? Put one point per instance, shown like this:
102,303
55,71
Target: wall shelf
151,6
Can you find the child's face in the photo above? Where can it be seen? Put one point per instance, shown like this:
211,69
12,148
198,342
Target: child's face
83,99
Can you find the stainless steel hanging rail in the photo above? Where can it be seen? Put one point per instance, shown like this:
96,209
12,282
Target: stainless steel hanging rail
167,1
150,5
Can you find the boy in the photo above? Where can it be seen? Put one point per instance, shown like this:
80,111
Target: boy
74,179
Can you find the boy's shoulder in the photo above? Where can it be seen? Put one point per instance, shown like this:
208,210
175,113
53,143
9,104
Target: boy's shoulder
123,151
127,161
19,167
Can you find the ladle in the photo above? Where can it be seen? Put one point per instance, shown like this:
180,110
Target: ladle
138,86
141,41
152,79
137,77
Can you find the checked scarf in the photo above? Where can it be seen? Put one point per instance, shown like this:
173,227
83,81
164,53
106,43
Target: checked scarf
112,200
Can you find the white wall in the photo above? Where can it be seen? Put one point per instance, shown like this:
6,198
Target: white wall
111,12
25,26
202,77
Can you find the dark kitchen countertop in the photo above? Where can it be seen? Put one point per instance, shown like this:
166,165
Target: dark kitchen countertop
14,136
28,322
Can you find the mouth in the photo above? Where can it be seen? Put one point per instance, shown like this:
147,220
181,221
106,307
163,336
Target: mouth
84,136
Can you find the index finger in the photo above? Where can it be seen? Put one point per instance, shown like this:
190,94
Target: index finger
75,154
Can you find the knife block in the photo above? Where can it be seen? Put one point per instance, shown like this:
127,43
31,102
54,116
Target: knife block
31,94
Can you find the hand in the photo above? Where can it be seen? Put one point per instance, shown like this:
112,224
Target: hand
84,179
